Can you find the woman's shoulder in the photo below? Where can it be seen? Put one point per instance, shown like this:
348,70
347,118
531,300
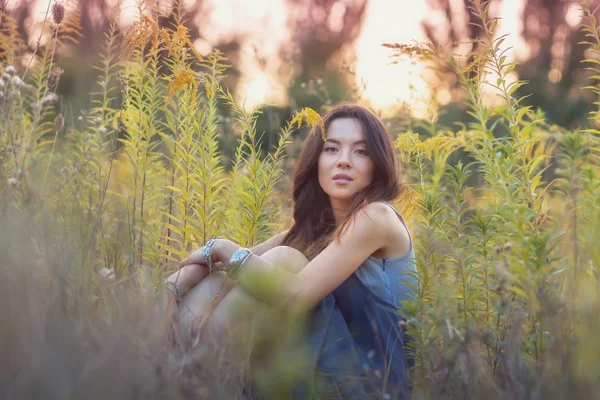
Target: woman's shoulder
381,213
397,240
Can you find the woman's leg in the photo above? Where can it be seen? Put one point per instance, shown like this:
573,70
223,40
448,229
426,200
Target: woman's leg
201,309
238,314
200,301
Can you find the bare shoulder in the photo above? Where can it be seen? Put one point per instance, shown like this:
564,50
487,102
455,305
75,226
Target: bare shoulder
397,240
380,214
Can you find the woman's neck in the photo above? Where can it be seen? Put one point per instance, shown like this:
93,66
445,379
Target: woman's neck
340,210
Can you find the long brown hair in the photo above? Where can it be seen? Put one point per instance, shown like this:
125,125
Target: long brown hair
314,224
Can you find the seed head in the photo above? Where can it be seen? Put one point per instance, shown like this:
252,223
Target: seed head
59,122
16,81
10,70
58,12
107,274
12,182
54,77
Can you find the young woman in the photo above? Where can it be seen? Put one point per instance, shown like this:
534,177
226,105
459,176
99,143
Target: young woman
347,260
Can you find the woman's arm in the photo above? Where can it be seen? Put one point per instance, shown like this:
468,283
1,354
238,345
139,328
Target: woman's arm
267,245
366,234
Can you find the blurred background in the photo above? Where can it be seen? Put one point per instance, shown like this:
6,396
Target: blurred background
297,53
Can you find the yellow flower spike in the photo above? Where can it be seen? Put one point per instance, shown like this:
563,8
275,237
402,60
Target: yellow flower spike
180,78
164,33
408,201
155,31
406,142
313,119
138,34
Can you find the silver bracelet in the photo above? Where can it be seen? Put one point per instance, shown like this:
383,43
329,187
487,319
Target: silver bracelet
236,262
208,255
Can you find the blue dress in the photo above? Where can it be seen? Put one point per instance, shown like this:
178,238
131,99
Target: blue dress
357,337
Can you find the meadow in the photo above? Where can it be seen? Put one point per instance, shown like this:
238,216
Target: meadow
98,206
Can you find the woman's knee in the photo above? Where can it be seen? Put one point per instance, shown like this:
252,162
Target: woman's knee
286,257
201,300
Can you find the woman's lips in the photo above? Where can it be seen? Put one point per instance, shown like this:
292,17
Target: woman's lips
342,179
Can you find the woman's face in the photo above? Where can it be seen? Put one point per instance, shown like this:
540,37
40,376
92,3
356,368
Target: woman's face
345,167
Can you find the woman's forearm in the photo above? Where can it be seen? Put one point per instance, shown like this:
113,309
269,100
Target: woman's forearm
261,279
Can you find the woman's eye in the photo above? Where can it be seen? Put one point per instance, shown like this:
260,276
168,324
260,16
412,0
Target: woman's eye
362,152
330,149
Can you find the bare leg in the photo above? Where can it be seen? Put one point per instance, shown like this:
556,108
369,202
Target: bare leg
237,316
216,307
200,301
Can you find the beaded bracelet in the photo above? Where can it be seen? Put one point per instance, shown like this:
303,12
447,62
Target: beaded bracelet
236,262
208,255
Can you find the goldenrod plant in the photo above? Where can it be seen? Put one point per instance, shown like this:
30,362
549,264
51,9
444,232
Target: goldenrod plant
98,206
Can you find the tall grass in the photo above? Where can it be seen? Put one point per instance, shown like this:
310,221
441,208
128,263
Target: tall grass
507,276
95,208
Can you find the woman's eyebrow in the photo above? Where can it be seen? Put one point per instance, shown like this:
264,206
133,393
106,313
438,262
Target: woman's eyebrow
338,142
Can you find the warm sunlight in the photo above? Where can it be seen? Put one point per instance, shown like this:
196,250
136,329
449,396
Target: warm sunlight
387,82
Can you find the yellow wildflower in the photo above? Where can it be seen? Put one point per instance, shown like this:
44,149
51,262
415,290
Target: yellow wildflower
408,201
439,146
138,34
313,119
406,142
179,42
180,78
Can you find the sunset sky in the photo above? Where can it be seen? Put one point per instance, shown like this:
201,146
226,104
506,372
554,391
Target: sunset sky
387,21
263,25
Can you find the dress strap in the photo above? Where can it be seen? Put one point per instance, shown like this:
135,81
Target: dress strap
401,220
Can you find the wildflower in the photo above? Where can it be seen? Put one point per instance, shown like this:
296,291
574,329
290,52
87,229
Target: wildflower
54,77
12,182
58,12
313,119
6,77
49,98
180,78
10,70
406,143
102,129
138,34
107,274
16,81
303,85
319,81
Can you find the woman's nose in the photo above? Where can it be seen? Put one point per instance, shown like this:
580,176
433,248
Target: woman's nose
343,160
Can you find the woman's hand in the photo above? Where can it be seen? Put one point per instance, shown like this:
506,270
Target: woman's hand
189,276
221,253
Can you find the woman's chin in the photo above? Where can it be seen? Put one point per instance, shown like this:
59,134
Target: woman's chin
341,195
